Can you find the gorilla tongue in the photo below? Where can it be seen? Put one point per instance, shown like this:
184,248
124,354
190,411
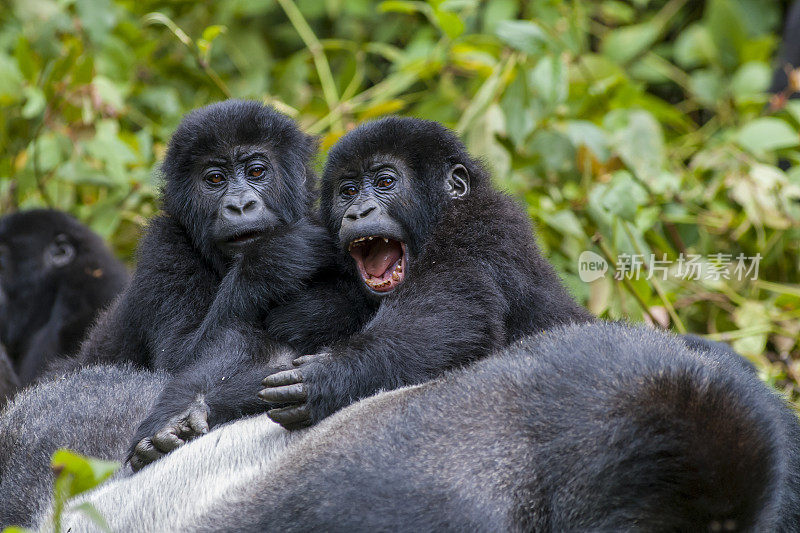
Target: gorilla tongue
380,256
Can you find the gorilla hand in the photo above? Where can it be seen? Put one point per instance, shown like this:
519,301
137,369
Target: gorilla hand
297,391
178,430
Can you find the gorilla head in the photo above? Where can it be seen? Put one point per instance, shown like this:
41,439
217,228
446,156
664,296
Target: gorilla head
231,175
385,187
55,273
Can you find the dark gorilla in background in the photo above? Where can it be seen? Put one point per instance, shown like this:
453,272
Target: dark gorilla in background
55,275
593,427
452,261
789,56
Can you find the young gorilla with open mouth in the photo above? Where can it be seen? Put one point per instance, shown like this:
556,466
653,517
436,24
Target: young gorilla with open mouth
451,261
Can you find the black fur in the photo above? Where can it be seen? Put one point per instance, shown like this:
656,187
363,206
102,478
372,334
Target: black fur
593,427
597,427
42,419
789,56
197,304
475,279
9,382
55,275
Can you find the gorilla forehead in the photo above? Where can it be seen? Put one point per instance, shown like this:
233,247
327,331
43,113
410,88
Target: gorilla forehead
218,128
427,147
44,223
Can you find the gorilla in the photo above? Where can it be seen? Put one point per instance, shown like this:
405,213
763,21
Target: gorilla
234,241
55,275
428,258
43,418
789,56
586,427
9,382
451,261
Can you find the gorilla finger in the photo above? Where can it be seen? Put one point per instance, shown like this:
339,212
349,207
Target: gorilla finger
290,417
299,425
303,359
143,454
198,422
287,377
289,394
166,440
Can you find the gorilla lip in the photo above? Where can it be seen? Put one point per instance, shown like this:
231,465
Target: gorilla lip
381,261
243,237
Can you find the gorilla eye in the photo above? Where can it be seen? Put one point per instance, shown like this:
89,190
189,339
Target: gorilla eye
349,190
215,178
257,171
384,182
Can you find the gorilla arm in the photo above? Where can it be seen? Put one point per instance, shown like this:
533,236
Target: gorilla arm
441,321
231,351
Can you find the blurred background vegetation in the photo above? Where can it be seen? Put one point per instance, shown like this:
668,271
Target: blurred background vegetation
639,126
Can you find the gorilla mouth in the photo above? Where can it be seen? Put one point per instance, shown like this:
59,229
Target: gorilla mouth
244,237
381,261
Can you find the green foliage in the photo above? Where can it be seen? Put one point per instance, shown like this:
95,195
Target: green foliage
627,127
75,474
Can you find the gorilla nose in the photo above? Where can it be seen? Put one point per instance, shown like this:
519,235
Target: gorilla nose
360,211
243,206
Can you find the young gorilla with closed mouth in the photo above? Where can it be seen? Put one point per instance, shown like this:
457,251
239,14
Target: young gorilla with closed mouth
235,241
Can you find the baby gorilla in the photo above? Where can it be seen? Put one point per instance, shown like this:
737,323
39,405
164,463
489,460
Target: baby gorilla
55,275
233,241
451,262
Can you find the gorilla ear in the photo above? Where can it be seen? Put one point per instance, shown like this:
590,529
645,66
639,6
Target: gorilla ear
457,182
60,252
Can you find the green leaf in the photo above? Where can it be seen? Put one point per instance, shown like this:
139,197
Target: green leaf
34,102
707,86
767,133
694,47
624,196
524,35
398,6
548,79
212,32
585,133
97,18
10,80
727,31
624,44
639,141
518,110
751,79
85,472
554,149
450,23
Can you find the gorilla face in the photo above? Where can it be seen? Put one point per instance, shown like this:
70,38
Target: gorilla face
31,258
373,237
235,173
379,203
235,188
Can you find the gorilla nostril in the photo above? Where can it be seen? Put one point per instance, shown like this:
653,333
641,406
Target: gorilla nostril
250,205
235,209
367,211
